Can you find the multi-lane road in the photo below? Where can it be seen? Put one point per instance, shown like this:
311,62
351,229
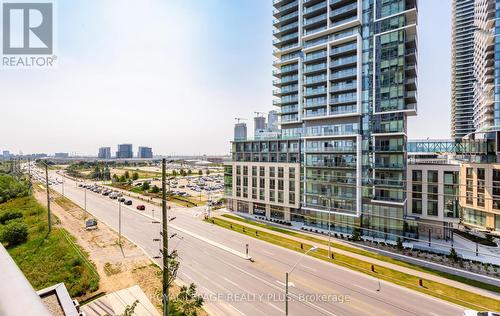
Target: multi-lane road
232,285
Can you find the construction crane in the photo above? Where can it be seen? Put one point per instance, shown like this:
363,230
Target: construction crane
238,119
260,113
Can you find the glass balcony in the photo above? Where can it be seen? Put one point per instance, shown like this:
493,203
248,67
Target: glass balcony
286,17
388,165
342,11
285,80
389,148
286,27
344,49
312,68
289,99
344,61
285,7
346,98
285,38
342,86
289,109
331,149
315,19
316,79
316,102
315,30
315,113
290,118
316,55
339,110
344,74
310,92
285,69
321,5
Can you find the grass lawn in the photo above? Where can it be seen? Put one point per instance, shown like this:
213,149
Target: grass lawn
49,259
442,291
370,254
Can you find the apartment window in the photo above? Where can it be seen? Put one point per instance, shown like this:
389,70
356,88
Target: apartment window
272,195
238,191
469,173
272,172
254,182
262,197
280,197
480,200
474,217
245,181
280,172
291,198
291,172
416,207
245,170
272,184
432,208
254,171
432,176
238,170
245,192
280,185
480,173
291,185
262,183
416,175
254,193
238,181
262,171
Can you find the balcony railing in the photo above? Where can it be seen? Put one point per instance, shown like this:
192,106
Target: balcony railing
313,56
343,86
310,92
315,7
344,48
286,27
286,17
315,79
344,73
344,9
316,67
344,61
285,7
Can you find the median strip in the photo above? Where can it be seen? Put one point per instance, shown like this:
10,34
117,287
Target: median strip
436,289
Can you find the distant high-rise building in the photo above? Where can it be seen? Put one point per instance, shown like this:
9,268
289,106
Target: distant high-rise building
259,124
124,151
272,121
145,152
240,131
486,115
104,153
61,155
6,155
462,78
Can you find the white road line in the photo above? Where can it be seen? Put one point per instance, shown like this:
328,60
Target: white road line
236,309
308,268
361,287
276,307
234,284
290,284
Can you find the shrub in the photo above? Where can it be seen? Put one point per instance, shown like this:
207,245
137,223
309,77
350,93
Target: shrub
9,215
14,233
355,234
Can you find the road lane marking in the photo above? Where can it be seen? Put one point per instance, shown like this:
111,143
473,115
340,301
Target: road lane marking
308,268
290,284
276,307
236,309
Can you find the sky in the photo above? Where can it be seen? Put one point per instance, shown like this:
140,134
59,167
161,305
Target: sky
173,75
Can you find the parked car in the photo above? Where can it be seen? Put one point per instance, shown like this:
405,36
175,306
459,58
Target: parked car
141,207
128,202
122,199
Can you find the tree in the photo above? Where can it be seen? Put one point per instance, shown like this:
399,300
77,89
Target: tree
115,178
9,215
145,186
130,309
14,233
182,172
189,172
127,174
155,189
200,173
208,171
135,176
174,173
355,234
399,243
453,254
122,178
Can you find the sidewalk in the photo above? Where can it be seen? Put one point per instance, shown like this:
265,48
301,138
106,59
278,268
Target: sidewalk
377,262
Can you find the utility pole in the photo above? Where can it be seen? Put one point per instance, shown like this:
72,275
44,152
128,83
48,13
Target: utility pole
165,236
63,185
48,195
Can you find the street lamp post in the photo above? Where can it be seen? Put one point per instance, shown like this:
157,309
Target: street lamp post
329,223
312,249
120,223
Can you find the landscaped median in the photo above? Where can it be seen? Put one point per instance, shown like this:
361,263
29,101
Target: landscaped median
436,289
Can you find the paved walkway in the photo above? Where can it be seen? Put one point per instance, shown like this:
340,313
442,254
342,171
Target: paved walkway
420,274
